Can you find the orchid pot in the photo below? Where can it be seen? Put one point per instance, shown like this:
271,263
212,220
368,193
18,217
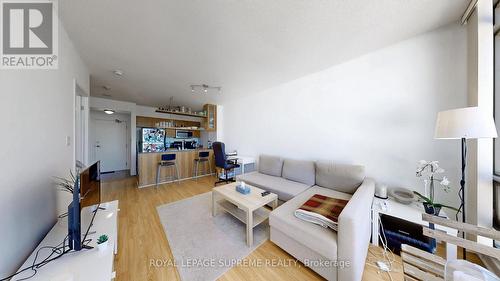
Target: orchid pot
431,209
430,206
430,171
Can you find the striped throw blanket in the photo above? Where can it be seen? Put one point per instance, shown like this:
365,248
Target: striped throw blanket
322,210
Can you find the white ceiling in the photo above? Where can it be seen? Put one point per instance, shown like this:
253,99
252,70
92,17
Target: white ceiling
163,46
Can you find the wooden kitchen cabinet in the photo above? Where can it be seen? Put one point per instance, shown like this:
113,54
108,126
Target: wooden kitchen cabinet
211,120
147,164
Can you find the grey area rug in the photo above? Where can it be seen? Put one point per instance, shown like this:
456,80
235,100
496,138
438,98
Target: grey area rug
205,247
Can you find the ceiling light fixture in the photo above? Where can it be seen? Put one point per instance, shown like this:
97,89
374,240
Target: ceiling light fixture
118,72
204,88
109,111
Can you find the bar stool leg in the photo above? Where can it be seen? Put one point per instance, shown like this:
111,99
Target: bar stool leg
171,174
177,172
158,175
209,168
197,169
193,174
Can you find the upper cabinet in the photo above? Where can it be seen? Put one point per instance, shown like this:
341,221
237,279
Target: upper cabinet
206,120
211,120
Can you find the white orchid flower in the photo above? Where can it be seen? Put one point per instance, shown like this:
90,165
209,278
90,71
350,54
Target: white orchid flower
445,181
439,171
435,165
422,162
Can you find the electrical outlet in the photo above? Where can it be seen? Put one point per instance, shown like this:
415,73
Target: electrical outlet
68,140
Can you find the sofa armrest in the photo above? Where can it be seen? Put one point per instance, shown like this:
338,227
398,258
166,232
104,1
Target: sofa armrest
353,236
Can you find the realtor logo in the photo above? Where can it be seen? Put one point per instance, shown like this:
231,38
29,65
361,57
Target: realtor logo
29,35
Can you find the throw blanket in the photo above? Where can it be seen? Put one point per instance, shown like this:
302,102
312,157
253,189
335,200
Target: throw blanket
322,210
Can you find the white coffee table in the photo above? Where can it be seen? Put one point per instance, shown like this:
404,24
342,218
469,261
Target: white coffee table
248,208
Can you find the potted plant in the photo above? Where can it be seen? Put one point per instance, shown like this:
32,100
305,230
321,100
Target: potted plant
66,185
428,170
102,242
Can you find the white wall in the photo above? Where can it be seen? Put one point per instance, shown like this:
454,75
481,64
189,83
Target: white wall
378,110
220,123
36,113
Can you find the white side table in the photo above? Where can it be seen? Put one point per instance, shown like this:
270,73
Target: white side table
412,213
242,160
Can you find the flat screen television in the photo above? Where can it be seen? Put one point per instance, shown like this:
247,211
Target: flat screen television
90,186
87,192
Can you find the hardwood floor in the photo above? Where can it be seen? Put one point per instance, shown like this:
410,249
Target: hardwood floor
142,239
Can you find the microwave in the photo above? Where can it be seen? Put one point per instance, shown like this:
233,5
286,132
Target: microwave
181,134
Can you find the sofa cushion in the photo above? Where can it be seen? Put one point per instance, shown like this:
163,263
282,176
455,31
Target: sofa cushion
299,170
284,188
317,238
270,165
340,177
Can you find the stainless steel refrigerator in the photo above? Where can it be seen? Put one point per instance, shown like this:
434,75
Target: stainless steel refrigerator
152,140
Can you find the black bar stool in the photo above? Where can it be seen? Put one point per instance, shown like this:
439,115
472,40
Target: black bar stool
167,161
203,157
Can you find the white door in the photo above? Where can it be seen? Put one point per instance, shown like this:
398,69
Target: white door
110,144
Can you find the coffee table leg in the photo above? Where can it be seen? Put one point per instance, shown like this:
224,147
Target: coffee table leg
249,228
214,205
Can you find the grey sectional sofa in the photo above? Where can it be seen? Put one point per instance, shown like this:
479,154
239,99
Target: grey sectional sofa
285,177
334,255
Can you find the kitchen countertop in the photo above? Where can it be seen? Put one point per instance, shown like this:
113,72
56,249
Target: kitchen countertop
176,150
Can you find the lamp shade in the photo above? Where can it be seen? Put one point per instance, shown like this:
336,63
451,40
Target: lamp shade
467,122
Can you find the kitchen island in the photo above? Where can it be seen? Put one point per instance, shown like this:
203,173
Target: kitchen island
147,164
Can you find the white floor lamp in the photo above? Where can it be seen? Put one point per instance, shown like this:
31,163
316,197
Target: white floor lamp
464,123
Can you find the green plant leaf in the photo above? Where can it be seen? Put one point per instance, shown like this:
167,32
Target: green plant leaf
103,238
445,206
426,200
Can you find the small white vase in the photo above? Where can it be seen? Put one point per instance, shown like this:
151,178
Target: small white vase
103,246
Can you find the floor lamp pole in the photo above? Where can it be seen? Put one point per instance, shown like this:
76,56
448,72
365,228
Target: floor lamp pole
462,188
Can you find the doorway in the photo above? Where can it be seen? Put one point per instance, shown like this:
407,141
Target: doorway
110,142
80,133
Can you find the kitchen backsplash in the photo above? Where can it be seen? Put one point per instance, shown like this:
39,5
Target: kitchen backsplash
169,141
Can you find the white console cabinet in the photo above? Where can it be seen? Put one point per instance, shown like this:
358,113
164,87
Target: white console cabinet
411,213
84,265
